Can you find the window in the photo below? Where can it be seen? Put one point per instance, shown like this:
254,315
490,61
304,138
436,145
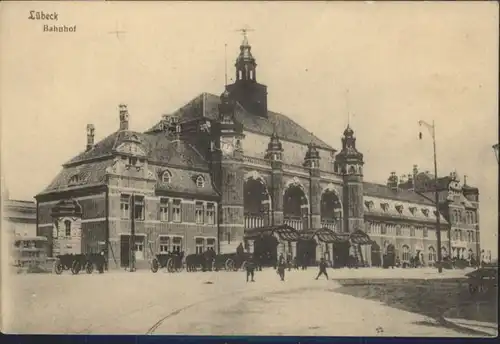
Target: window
200,182
413,210
177,244
124,206
425,211
211,244
132,161
176,210
383,229
399,208
163,209
210,212
164,244
432,254
228,236
199,245
412,231
406,253
461,235
472,236
398,230
74,179
166,177
139,208
139,248
425,232
67,226
198,212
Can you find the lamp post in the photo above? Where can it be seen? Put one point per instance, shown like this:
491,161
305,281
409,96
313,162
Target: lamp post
495,148
432,130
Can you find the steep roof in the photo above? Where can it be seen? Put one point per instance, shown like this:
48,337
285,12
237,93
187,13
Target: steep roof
383,191
206,106
159,148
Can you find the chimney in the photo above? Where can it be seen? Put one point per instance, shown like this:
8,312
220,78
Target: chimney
90,136
123,117
392,181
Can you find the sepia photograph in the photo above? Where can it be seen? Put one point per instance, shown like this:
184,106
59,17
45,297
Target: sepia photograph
249,168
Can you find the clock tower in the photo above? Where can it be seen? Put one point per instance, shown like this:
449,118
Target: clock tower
231,218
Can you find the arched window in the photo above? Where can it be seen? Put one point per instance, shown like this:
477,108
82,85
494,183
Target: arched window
67,228
432,254
251,74
352,170
166,177
200,182
406,253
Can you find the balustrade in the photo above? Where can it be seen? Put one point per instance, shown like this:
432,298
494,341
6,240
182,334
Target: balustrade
254,221
294,222
332,224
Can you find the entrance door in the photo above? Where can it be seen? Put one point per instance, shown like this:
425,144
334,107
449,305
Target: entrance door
341,254
266,250
375,253
306,251
124,250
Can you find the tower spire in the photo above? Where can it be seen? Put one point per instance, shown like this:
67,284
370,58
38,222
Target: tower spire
347,107
245,63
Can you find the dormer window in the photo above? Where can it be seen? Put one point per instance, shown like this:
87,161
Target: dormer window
369,204
413,210
75,179
166,177
384,206
435,213
425,211
399,208
200,182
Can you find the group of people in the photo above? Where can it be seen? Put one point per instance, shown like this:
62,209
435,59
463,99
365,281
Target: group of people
281,267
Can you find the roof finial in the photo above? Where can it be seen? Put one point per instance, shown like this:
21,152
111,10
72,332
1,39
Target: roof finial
244,31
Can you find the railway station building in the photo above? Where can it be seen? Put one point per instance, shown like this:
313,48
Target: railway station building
226,170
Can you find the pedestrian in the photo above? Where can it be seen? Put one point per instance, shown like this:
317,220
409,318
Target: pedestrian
250,267
322,268
281,269
101,263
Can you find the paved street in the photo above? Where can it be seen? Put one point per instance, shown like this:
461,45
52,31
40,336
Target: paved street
212,303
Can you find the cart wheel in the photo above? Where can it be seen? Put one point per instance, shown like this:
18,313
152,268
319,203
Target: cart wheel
76,267
229,264
170,265
155,265
58,267
89,267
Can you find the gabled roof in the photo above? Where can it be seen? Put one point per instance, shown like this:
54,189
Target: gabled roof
206,106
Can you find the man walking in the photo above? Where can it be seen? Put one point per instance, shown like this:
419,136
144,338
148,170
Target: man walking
250,267
322,268
281,269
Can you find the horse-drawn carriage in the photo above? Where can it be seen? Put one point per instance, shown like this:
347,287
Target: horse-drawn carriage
231,261
75,263
173,262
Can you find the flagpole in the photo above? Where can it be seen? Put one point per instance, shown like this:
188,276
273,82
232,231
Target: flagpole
436,195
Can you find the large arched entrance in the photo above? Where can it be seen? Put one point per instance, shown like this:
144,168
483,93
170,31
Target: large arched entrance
331,211
295,207
256,202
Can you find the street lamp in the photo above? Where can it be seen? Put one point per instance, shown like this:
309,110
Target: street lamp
432,130
495,148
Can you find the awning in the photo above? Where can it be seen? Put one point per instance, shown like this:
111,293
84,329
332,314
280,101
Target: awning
325,235
360,238
284,232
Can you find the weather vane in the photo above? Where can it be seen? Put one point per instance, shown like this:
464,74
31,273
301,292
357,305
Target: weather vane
244,30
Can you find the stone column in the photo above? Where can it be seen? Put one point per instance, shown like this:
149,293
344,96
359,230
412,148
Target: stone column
276,186
315,198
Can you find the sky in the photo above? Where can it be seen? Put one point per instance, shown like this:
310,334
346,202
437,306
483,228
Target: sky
388,65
